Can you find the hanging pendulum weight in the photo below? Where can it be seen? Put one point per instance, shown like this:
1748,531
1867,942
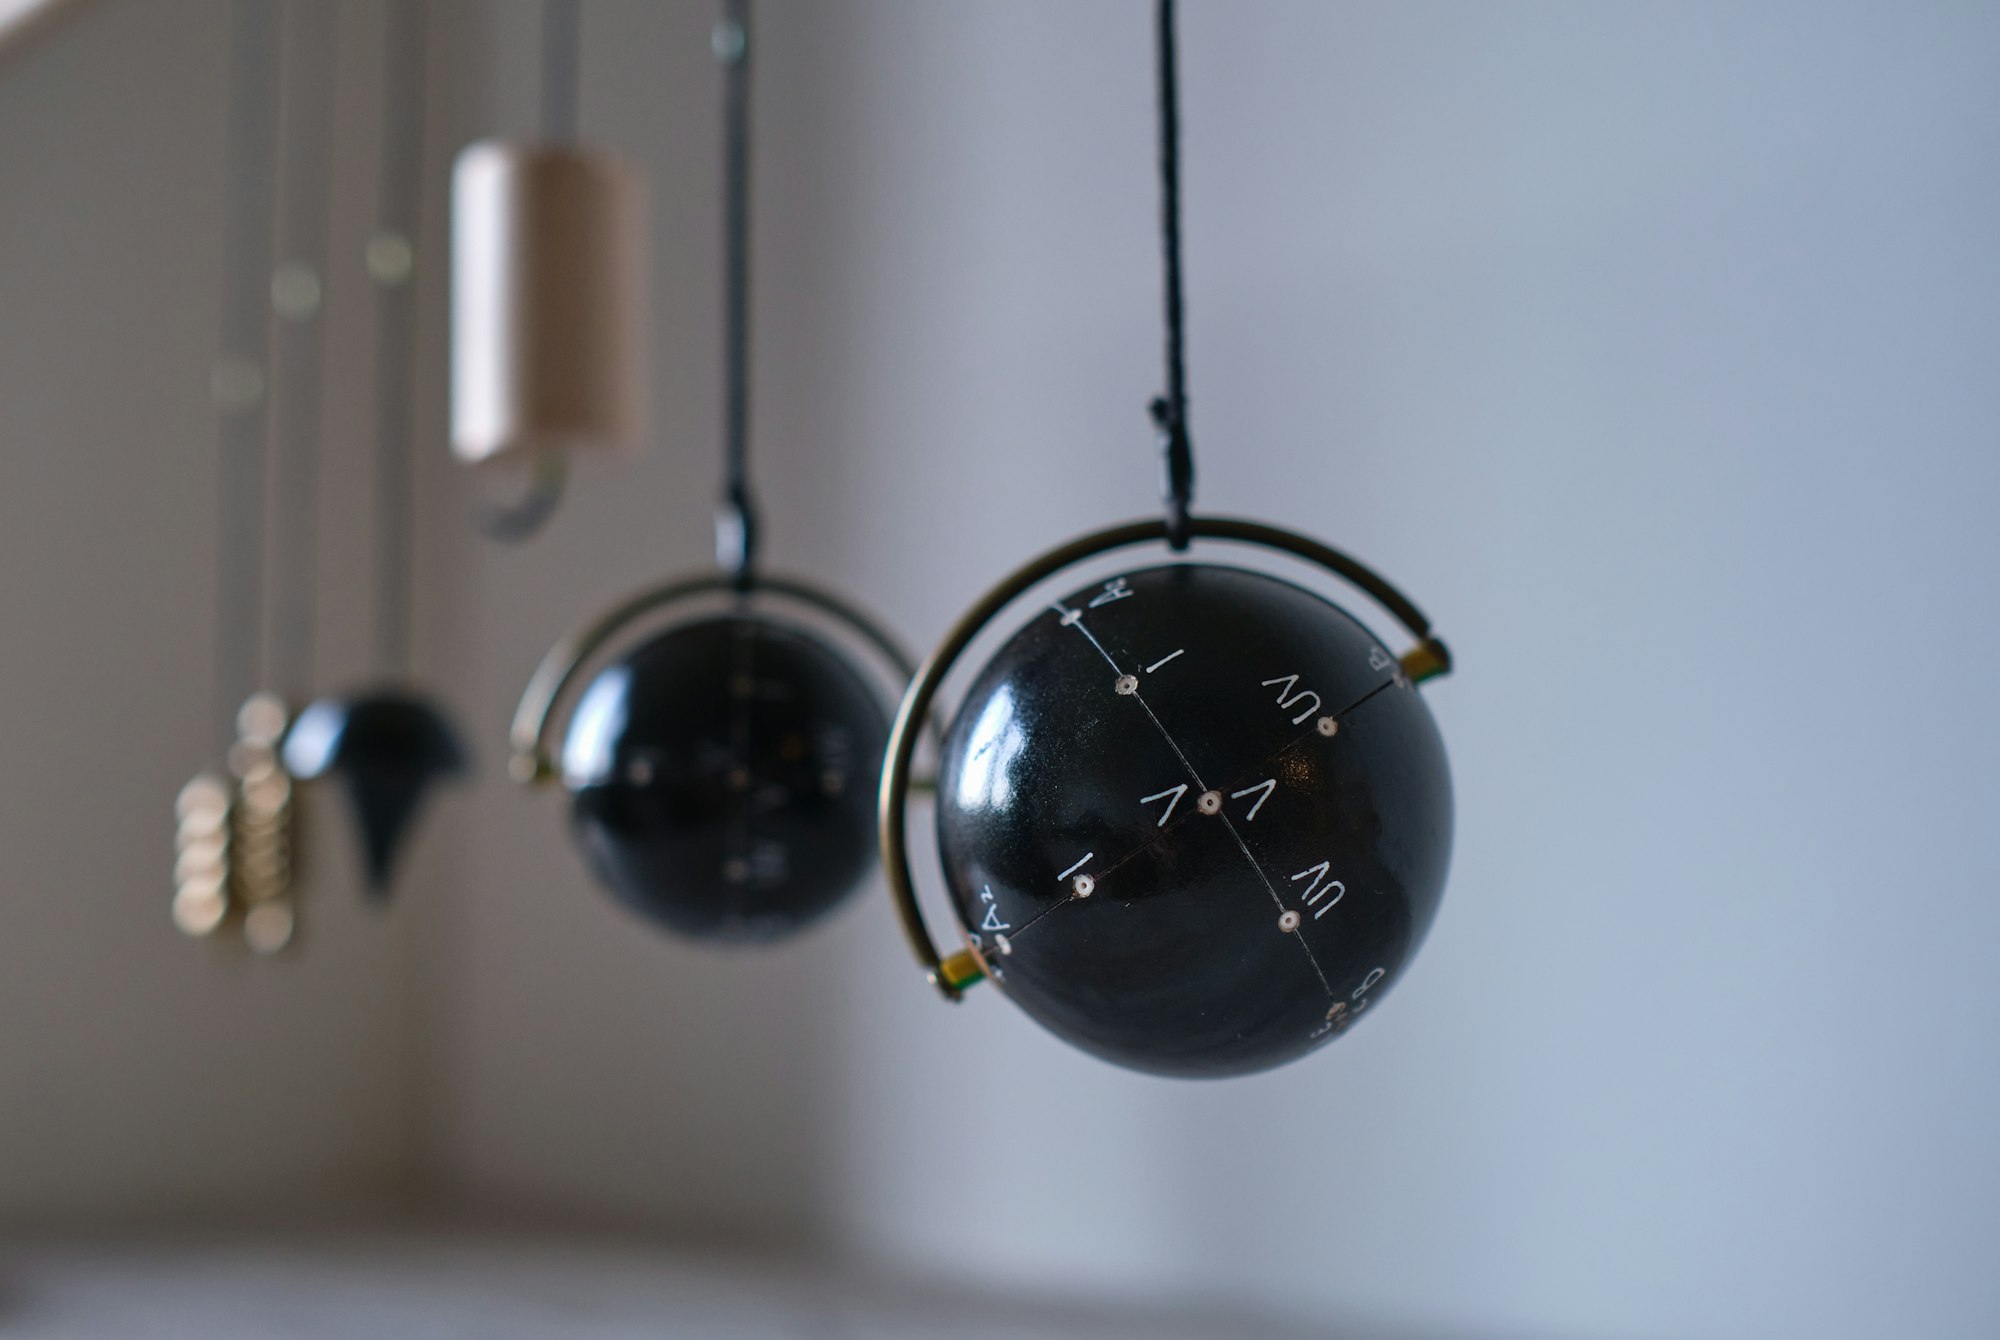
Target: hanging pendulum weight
234,846
1194,819
388,745
722,774
547,295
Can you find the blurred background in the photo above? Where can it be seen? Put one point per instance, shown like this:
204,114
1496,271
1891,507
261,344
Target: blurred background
1652,347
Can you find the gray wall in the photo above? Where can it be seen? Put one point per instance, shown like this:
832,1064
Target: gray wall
141,1074
1649,346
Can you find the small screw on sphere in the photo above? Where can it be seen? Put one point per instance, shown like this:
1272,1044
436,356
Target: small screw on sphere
1328,726
1210,802
1126,684
1084,886
1288,921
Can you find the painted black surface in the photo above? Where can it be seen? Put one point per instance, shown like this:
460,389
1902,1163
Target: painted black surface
1177,961
388,747
724,777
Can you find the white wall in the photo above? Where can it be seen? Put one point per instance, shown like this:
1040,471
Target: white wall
1651,347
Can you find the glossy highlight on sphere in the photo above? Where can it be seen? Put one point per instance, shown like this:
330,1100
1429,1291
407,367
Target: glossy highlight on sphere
723,777
1194,819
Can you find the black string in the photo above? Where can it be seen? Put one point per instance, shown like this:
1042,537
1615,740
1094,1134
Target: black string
391,262
1169,411
562,23
305,141
736,521
241,372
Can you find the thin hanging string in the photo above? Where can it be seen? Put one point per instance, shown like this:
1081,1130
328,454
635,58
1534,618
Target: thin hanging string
238,378
736,519
562,46
561,115
297,299
391,261
1169,411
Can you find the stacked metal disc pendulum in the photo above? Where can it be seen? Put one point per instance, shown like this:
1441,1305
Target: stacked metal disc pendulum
235,856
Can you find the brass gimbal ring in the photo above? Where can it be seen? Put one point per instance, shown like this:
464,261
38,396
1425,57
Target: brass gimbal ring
531,760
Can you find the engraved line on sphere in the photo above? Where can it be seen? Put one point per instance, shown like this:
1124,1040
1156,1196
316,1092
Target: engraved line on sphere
1071,618
1276,898
1241,845
1014,936
1139,698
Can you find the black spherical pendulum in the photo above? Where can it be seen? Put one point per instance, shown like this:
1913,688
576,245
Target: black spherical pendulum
1194,819
722,773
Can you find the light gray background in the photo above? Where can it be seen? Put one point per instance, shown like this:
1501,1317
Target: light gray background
1651,346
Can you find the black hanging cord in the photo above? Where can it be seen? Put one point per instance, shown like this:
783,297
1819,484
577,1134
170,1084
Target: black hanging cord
240,376
298,297
1169,411
736,521
392,265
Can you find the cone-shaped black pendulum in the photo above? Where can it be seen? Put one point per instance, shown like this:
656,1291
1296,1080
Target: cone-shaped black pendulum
389,744
388,747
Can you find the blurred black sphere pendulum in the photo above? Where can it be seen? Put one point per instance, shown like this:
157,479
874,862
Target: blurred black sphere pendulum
1194,818
722,774
388,744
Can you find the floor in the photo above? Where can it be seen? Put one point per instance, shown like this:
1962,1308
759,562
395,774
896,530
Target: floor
417,1285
